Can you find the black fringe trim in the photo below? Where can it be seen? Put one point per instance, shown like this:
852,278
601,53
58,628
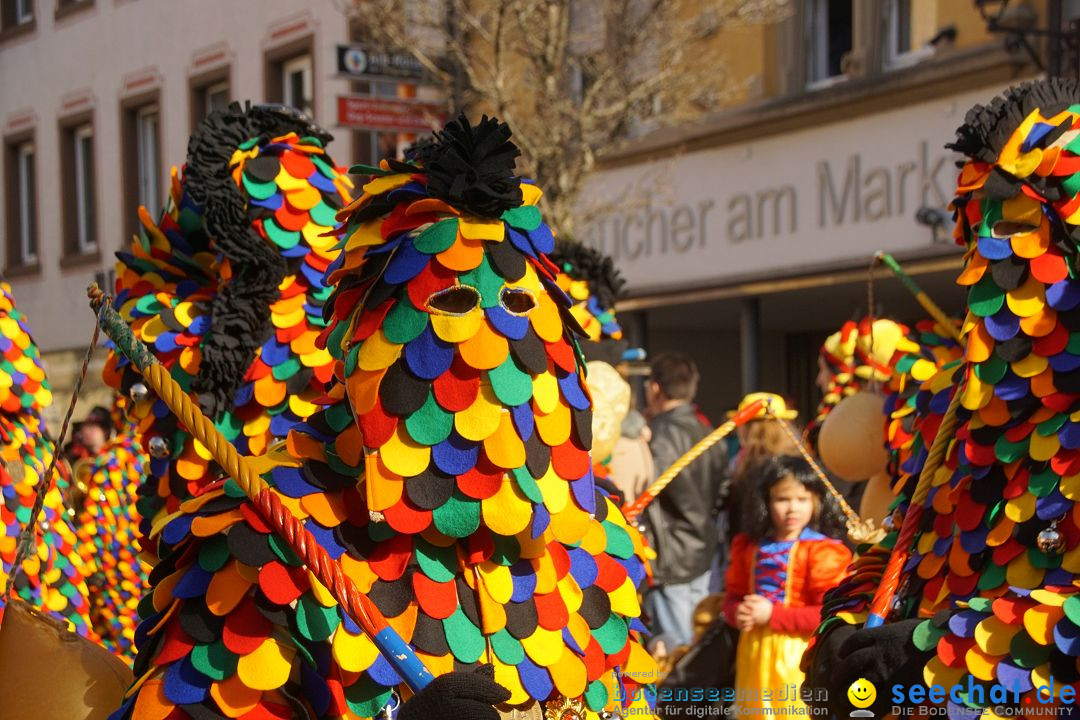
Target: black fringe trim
987,128
240,312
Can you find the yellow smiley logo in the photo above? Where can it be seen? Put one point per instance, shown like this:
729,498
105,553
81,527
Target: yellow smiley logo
862,693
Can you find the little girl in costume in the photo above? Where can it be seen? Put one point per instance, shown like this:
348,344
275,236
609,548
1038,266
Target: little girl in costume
780,567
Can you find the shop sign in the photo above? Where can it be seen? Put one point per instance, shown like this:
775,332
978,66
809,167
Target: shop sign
830,194
374,113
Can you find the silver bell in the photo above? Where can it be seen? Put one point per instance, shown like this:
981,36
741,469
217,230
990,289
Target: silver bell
138,392
897,605
1050,541
158,447
896,519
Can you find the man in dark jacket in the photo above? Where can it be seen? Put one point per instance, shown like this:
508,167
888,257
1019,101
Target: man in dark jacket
682,519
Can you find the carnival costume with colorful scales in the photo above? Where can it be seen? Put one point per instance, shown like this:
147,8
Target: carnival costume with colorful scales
903,358
879,354
226,289
450,477
924,350
107,526
592,282
998,549
52,576
857,355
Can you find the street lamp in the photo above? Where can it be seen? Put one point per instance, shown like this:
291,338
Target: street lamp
1018,23
937,219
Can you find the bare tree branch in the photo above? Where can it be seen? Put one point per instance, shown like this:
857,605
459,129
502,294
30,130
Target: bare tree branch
572,77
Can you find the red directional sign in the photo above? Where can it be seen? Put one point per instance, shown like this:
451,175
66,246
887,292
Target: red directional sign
373,113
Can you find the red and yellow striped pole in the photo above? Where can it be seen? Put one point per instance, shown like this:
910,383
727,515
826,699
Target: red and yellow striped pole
328,571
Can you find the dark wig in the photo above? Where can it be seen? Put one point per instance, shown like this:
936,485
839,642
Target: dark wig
582,262
987,128
985,133
755,519
240,311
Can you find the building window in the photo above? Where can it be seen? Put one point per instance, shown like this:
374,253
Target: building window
296,83
85,215
371,146
209,95
828,39
16,14
22,231
67,7
582,77
147,160
909,26
27,205
77,170
216,97
141,137
290,75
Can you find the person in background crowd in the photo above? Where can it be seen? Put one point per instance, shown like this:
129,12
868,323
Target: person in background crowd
759,440
632,467
611,397
781,566
90,435
682,519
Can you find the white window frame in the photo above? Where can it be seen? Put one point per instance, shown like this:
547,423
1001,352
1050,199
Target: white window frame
24,11
213,89
147,160
83,139
895,58
817,16
302,64
25,177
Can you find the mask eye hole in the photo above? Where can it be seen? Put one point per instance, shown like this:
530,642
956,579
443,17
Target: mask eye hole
457,300
517,301
1008,228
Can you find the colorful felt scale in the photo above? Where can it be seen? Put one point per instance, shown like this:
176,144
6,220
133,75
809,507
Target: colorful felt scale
107,527
999,545
922,353
52,576
450,477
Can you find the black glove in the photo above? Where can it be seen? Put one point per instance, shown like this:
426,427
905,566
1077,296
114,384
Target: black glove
883,655
457,696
